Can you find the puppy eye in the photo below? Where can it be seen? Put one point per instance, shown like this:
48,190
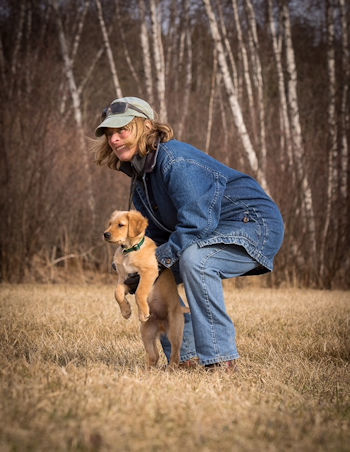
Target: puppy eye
120,225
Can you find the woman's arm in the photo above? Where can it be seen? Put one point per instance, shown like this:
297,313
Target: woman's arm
196,191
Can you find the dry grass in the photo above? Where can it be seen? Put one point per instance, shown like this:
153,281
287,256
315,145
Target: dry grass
73,378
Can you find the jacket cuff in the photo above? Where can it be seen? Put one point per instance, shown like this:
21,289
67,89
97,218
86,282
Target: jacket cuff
165,256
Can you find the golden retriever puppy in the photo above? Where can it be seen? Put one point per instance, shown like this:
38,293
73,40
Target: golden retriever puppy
135,253
157,298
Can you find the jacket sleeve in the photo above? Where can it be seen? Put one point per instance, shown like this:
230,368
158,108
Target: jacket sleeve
196,191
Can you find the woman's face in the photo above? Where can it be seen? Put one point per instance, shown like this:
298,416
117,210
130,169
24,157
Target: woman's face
119,141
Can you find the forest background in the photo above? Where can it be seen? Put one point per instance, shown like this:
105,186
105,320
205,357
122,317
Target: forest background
261,85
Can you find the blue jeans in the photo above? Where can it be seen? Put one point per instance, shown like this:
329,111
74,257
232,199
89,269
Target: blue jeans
209,332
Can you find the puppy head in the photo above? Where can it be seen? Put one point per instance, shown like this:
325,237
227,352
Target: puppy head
125,228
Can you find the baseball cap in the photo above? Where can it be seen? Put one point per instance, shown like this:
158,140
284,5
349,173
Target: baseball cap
121,111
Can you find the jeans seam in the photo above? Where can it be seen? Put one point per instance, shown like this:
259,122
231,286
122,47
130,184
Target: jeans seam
205,290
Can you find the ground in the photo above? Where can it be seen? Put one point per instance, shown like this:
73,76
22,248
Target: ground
72,376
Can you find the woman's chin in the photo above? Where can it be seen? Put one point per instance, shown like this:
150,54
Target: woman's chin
125,156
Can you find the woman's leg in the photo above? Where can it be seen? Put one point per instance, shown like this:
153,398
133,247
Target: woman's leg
202,271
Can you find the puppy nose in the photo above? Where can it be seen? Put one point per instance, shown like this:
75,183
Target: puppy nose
107,235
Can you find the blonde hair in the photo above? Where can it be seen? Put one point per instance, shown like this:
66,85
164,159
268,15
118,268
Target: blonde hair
145,133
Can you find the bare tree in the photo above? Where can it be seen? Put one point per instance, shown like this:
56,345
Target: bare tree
214,76
188,72
125,47
76,107
258,82
146,53
109,52
345,108
244,58
159,62
232,96
285,135
296,135
332,180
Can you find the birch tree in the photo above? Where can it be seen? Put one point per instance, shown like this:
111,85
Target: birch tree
146,54
228,50
159,62
115,79
232,97
211,101
297,143
188,72
332,179
286,140
244,58
76,107
73,53
345,107
253,44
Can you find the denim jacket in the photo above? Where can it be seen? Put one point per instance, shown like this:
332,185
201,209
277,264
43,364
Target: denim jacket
189,197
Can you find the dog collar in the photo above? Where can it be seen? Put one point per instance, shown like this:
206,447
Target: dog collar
135,247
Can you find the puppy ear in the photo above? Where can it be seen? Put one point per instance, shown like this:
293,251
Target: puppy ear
137,224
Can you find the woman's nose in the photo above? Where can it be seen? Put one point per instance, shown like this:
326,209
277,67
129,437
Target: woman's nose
115,137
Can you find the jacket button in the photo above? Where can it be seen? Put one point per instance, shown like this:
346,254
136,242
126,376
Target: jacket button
168,261
245,219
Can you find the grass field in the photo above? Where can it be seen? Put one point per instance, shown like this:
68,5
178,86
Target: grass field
73,378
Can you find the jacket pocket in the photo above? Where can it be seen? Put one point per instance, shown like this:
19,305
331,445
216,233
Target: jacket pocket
233,210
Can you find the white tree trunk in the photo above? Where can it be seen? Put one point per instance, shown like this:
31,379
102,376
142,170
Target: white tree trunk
109,52
228,48
146,54
232,97
286,139
345,107
76,108
258,82
296,130
211,101
332,133
158,60
188,71
244,58
77,37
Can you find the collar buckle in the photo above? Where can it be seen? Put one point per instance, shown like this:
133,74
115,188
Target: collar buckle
135,247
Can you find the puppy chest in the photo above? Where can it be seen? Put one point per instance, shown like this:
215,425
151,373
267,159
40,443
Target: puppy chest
128,266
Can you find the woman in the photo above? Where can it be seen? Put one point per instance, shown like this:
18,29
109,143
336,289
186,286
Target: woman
210,222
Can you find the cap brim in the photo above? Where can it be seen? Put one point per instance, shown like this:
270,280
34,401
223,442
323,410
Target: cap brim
114,122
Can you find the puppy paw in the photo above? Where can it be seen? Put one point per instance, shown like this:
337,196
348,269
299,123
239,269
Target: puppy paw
143,317
125,310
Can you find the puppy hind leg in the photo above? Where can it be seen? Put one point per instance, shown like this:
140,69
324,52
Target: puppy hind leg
175,336
149,334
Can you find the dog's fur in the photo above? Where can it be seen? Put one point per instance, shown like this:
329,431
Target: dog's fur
157,300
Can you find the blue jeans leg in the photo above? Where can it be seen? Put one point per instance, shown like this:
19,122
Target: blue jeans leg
202,271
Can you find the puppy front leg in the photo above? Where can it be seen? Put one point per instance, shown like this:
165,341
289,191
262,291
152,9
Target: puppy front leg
142,293
124,305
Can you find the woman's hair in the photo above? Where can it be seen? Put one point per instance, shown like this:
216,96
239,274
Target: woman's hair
145,133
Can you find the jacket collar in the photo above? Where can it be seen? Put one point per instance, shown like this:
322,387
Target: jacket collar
140,165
